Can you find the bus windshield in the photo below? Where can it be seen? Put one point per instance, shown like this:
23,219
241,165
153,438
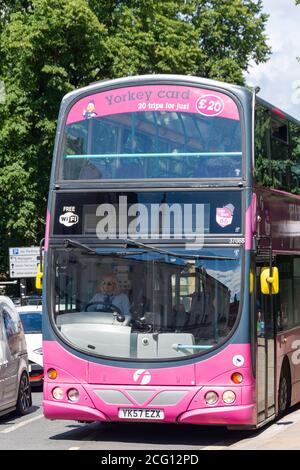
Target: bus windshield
152,132
144,304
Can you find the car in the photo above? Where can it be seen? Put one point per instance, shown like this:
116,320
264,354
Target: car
27,300
31,318
15,391
16,301
33,300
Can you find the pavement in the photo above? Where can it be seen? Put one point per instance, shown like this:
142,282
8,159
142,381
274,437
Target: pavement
284,434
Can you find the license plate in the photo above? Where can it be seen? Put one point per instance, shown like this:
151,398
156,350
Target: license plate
135,413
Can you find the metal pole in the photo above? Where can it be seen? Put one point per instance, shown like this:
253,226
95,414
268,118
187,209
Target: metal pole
23,288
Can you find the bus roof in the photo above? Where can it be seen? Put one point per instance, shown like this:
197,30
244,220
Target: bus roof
281,114
159,78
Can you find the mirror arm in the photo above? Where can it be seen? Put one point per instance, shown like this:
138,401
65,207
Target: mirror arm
41,254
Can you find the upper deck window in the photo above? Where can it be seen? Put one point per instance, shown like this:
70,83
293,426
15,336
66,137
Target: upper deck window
152,132
280,130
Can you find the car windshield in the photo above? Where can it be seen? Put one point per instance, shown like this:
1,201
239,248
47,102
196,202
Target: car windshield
150,132
146,304
32,322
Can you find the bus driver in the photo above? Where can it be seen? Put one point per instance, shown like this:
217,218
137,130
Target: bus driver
110,295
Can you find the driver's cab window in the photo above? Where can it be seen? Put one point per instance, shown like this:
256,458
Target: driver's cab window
67,283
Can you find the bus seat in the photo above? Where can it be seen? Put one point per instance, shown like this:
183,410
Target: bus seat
95,170
179,316
128,170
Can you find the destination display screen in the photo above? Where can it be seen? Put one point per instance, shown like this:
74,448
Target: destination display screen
149,214
152,132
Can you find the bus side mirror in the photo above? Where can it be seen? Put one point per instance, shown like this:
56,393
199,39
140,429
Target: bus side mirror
39,277
269,284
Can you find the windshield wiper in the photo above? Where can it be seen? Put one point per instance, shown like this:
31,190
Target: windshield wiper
178,346
68,243
129,242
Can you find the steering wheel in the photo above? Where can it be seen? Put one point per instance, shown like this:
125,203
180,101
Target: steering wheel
101,307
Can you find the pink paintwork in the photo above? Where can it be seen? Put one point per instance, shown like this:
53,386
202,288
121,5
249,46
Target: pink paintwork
288,345
187,383
167,98
279,216
172,376
232,416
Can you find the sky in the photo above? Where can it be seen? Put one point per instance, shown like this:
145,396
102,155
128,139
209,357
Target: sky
279,78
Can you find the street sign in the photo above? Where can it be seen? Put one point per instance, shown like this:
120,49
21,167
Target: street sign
23,261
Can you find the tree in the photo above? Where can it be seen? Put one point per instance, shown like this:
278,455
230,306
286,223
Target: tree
231,34
210,38
49,47
47,50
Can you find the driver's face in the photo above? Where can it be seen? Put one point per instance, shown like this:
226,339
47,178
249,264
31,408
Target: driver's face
108,284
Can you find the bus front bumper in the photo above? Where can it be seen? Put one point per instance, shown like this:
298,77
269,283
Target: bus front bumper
226,415
56,410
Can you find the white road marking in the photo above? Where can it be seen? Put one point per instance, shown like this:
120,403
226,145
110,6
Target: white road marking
74,448
19,425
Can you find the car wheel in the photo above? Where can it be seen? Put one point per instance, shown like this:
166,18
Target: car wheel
24,401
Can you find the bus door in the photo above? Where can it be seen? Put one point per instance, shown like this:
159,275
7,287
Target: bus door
266,344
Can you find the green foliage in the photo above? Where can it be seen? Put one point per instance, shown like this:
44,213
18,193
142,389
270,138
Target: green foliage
231,33
215,38
46,51
49,47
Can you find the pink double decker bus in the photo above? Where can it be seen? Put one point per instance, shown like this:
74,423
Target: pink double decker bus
172,255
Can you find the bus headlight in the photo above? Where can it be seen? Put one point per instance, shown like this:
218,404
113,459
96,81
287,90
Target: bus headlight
73,394
58,393
228,397
211,398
